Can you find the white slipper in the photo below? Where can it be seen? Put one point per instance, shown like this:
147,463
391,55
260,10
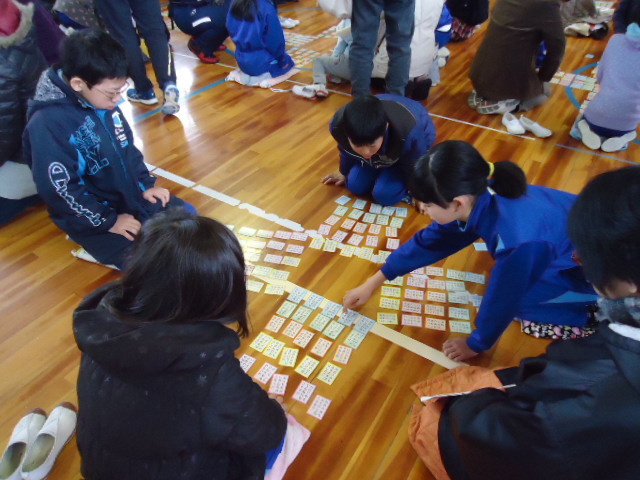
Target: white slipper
535,128
514,127
615,144
23,435
589,138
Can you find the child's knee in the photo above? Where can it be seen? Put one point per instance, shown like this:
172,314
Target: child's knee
387,197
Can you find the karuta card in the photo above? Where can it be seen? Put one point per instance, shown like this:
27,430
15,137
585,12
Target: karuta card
375,208
291,261
369,218
409,320
475,277
387,318
265,233
278,384
356,214
331,309
382,219
354,339
297,295
418,271
413,294
273,259
343,200
456,274
307,366
455,286
286,309
304,392
265,373
302,314
355,239
246,362
435,271
323,230
371,241
319,322
330,246
415,281
282,234
430,309
262,270
348,224
329,373
347,251
411,307
437,297
396,222
252,257
391,291
390,303
313,301
341,211
273,349
375,229
363,324
274,290
360,204
275,324
254,286
391,232
333,330
402,212
360,228
292,329
300,236
319,407
393,243
321,347
261,341
297,249
339,236
459,313
347,318
459,327
459,297
279,274
289,357
317,242
388,211
476,300
303,338
398,281
332,220
365,253
343,354
437,284
259,244
247,232
436,324
480,247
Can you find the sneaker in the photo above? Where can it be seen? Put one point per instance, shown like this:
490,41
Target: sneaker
221,48
535,128
311,91
171,97
473,100
488,107
589,138
335,79
23,435
148,97
514,127
288,22
615,144
198,52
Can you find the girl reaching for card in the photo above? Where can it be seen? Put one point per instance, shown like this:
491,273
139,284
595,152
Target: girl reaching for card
534,280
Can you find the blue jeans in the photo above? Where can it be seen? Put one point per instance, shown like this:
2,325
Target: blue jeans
365,20
385,185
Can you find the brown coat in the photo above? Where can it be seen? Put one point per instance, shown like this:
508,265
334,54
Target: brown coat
504,66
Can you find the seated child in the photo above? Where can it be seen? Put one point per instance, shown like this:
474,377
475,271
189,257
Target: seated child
379,139
534,280
260,45
80,148
160,393
573,412
205,21
611,118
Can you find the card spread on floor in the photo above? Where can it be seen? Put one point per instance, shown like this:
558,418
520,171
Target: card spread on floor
261,341
291,261
348,251
307,366
302,314
366,253
332,220
360,204
317,242
324,230
391,291
297,295
252,257
341,211
348,317
363,324
355,239
391,232
360,228
275,324
286,309
411,320
476,300
275,245
246,361
399,281
455,286
354,339
456,274
374,229
265,373
300,236
371,241
348,224
343,354
265,233
396,222
435,271
329,373
292,329
331,309
437,310
297,249
459,297
413,294
282,234
319,322
330,246
475,277
356,214
262,270
480,247
289,357
369,218
382,219
254,286
273,259
459,313
387,318
402,212
303,338
274,290
278,384
393,243
459,327
339,236
313,301
437,297
411,307
436,324
319,407
247,232
333,330
321,347
437,284
273,349
280,274
415,281
304,392
343,200
375,208
391,303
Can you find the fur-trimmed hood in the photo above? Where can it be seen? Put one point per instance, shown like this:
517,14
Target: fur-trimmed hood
26,21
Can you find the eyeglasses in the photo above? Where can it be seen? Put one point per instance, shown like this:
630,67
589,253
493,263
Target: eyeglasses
112,95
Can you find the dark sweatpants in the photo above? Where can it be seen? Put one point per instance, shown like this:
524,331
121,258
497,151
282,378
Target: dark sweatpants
205,24
117,14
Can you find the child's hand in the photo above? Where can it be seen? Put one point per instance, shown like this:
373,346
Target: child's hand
357,297
336,179
157,193
457,349
126,225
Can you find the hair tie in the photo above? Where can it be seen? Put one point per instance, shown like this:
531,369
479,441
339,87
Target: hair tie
491,170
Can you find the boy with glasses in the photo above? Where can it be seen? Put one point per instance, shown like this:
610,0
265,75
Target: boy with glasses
80,147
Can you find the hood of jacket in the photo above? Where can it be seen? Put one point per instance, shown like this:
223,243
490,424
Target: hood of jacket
52,89
128,348
26,21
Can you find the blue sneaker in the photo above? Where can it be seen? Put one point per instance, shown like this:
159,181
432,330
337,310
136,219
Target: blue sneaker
171,97
148,97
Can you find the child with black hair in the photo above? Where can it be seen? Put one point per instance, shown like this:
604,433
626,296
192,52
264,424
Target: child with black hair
86,168
161,395
535,278
573,412
260,45
379,139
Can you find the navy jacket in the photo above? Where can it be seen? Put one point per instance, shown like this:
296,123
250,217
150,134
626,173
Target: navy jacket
84,162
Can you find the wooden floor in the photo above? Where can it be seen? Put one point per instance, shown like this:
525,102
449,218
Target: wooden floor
270,150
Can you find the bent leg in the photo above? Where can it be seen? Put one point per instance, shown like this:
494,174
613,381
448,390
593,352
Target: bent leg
390,187
361,179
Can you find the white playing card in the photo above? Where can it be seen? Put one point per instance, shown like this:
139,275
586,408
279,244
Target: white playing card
339,236
317,242
360,204
297,249
262,270
343,354
354,339
430,309
374,229
297,295
330,246
371,241
247,232
456,274
399,281
279,274
332,220
435,271
480,247
387,318
411,307
347,318
282,234
355,239
273,259
348,224
459,297
278,384
254,286
391,291
393,243
289,356
411,320
360,228
416,281
273,349
319,407
390,303
459,327
333,330
307,366
437,297
343,200
475,277
437,284
459,313
363,324
412,294
286,309
396,222
402,212
321,347
382,219
369,218
292,329
302,314
246,361
265,373
341,210
366,253
313,301
275,324
356,214
303,338
388,210
319,322
331,309
324,229
347,251
291,261
274,290
375,208
329,373
261,341
455,286
436,324
300,236
265,233
304,392
391,232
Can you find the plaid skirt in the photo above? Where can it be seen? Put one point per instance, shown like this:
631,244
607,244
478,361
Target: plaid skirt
461,31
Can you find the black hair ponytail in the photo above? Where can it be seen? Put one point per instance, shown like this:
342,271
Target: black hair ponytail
244,9
508,179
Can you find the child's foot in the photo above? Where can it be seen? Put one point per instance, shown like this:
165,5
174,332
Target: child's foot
198,52
82,254
221,48
147,97
311,91
288,22
335,79
615,144
171,97
589,138
488,107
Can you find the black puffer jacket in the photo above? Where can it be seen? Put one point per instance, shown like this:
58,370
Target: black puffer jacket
163,401
21,64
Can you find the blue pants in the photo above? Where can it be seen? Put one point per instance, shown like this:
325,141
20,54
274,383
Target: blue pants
10,209
112,248
117,14
365,20
385,185
205,24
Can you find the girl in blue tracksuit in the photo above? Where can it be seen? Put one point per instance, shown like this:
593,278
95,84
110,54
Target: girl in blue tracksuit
260,44
525,228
